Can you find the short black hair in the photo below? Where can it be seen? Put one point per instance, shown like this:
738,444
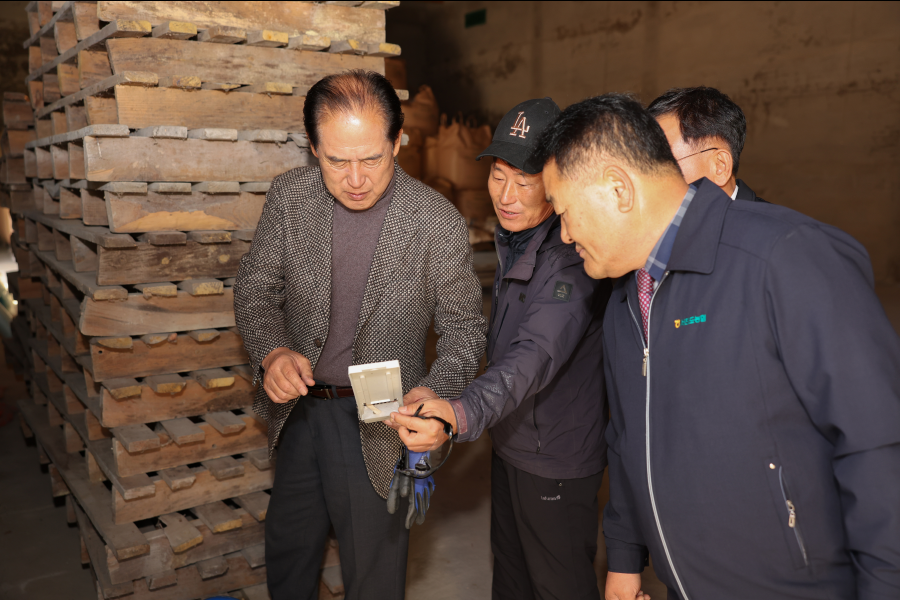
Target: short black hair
614,125
352,91
703,113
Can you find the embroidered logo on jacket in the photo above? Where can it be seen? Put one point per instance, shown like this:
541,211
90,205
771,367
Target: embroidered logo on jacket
562,290
690,321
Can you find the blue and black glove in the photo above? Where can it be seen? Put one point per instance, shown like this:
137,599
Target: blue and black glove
419,490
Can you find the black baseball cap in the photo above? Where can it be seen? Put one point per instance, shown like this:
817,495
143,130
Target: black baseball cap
517,132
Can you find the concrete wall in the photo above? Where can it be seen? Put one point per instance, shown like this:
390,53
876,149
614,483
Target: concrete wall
13,57
818,81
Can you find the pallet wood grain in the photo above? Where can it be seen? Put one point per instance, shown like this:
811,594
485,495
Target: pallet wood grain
205,489
183,355
228,63
151,406
213,446
293,17
149,159
147,263
194,211
139,315
162,557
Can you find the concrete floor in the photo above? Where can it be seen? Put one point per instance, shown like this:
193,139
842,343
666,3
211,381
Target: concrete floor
450,555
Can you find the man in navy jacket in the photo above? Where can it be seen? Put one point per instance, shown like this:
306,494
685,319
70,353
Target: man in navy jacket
542,394
753,378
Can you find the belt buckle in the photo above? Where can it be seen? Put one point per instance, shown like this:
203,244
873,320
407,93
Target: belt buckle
328,393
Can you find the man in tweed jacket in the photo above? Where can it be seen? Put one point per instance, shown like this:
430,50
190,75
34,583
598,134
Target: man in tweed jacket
332,469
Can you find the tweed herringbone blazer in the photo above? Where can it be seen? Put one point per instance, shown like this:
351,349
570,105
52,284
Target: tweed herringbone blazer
422,270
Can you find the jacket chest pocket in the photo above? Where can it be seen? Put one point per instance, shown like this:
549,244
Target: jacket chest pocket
788,514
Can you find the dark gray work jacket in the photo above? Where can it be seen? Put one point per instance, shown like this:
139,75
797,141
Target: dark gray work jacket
543,393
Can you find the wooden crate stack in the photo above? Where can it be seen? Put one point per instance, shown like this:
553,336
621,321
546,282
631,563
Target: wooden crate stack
158,127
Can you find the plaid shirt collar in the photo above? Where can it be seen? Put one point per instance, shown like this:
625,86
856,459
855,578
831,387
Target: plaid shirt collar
662,251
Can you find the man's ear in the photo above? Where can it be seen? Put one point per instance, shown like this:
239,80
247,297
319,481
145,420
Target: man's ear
619,183
721,167
397,143
313,150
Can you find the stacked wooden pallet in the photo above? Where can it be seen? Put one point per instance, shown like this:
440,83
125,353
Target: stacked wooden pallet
15,195
158,127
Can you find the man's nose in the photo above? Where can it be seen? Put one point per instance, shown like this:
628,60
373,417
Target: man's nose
356,179
508,193
564,232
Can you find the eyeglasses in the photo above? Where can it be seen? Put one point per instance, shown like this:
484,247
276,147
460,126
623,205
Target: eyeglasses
695,154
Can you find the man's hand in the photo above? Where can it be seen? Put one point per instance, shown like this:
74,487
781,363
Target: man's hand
418,394
624,586
288,375
421,435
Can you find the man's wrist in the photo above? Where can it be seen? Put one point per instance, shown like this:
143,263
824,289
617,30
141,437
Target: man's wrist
272,355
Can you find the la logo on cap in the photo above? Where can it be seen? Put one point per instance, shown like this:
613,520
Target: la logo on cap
519,126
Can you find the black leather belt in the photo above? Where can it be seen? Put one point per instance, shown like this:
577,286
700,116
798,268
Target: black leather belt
330,391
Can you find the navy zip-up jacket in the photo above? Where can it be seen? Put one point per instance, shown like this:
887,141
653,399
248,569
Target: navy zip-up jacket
760,455
543,394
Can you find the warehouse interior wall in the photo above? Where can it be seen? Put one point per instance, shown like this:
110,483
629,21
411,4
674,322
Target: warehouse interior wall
819,83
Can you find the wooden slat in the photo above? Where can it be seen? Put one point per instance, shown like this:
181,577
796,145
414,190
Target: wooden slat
255,555
146,159
193,400
122,388
245,65
224,468
161,558
146,106
217,516
178,478
292,17
181,534
123,78
204,287
166,384
175,30
136,438
148,263
257,504
183,355
183,431
162,580
212,567
215,378
214,445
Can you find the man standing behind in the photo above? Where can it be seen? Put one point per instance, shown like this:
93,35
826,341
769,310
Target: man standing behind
351,262
706,131
542,395
753,377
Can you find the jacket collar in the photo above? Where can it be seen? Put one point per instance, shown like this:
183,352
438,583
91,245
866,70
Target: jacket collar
744,192
698,237
524,267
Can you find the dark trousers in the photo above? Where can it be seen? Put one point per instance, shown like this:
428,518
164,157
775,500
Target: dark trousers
320,481
543,535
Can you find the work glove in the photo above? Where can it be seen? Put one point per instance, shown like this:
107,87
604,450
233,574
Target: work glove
419,491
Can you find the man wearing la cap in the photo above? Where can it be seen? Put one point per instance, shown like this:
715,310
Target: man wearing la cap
542,394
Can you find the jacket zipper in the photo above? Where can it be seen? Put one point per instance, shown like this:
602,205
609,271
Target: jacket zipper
645,371
792,517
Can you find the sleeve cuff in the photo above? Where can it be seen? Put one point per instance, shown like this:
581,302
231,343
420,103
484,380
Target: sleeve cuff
630,559
462,424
